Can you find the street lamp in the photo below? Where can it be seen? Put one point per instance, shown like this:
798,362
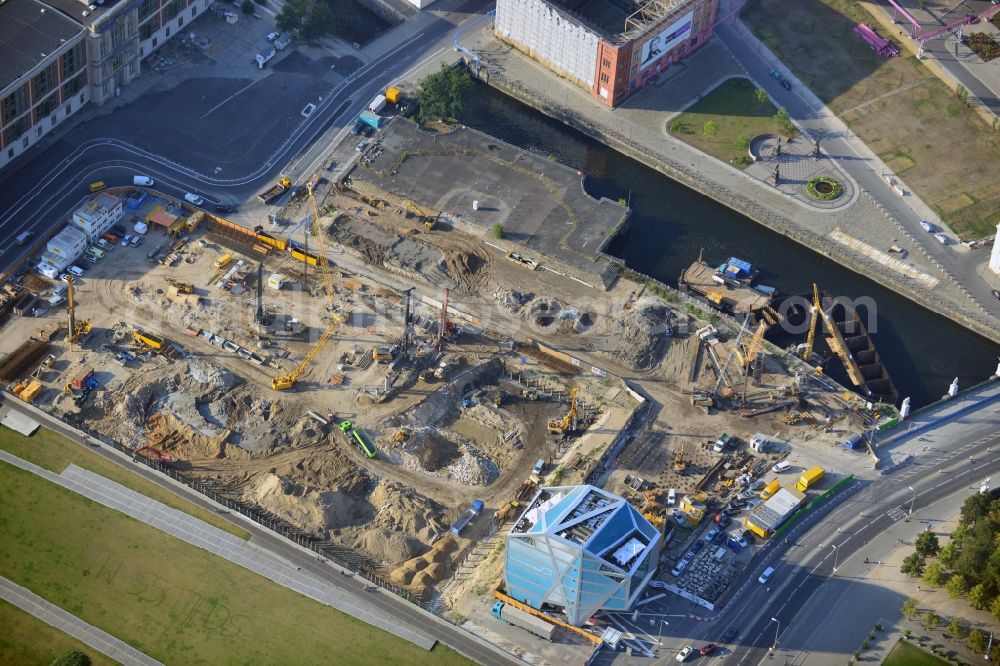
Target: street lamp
836,555
776,629
912,499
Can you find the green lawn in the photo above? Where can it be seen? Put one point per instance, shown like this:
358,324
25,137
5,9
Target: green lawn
735,112
175,602
46,642
54,452
906,654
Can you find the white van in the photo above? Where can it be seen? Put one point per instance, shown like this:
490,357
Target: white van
766,575
142,181
781,467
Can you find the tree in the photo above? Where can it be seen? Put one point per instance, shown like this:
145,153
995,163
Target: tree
321,22
956,628
975,506
978,597
934,574
71,658
742,143
247,7
995,608
976,641
292,16
930,620
784,121
910,608
443,94
912,565
709,128
956,586
497,230
760,95
948,554
927,544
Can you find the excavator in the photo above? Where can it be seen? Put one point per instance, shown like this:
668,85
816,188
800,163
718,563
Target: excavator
568,422
679,464
285,382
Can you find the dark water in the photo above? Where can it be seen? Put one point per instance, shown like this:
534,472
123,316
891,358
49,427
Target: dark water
923,351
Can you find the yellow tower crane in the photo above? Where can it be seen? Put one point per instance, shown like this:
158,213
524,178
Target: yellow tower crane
284,382
814,311
756,342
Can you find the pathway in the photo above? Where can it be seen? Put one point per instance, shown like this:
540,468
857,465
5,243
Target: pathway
68,623
217,542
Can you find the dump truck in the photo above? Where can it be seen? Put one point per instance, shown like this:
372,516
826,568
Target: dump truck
467,517
272,194
809,478
526,621
147,339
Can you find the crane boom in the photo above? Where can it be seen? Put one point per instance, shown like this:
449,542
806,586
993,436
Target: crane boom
283,382
813,320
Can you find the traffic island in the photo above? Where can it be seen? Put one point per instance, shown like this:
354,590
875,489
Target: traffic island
824,188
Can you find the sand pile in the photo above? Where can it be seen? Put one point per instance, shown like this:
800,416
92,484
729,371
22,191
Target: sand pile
183,441
426,570
307,507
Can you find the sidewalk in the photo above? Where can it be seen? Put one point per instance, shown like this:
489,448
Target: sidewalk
638,129
68,623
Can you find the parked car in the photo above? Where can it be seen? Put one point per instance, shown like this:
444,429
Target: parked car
62,277
356,130
748,537
708,649
671,497
225,208
723,521
737,503
928,226
698,545
59,290
271,36
91,258
730,511
103,244
126,240
711,534
684,653
739,538
136,241
765,575
75,270
941,238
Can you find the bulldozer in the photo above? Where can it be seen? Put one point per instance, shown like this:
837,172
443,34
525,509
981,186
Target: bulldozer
507,510
402,435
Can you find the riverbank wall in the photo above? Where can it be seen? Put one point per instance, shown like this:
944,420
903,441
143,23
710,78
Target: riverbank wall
718,191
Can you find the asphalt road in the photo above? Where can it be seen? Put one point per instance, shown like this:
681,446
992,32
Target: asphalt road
446,633
817,120
36,194
866,514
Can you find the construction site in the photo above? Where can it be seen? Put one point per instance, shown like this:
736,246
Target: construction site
396,386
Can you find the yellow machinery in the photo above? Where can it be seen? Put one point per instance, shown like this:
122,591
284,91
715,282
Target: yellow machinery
568,421
28,391
756,342
402,435
147,339
77,331
284,382
813,319
548,618
392,95
507,510
679,464
423,216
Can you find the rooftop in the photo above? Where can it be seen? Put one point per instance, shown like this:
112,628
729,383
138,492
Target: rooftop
618,20
593,519
29,32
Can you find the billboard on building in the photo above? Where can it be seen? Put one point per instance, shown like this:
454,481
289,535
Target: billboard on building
666,39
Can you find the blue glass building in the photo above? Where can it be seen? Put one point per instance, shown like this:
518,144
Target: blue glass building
582,549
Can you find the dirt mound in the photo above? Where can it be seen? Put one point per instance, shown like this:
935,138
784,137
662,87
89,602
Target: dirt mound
424,571
306,507
442,454
642,334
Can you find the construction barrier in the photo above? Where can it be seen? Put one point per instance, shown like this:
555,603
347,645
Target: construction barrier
813,504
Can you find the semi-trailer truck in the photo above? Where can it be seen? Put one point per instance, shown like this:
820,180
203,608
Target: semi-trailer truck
526,621
466,518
